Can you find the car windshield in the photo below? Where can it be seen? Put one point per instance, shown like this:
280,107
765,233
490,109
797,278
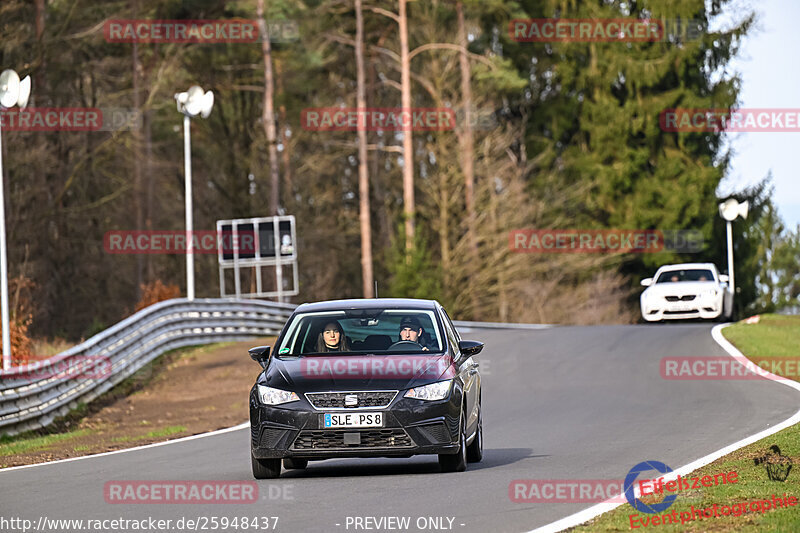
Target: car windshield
360,331
692,274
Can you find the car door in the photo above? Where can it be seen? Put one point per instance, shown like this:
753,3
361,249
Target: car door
467,370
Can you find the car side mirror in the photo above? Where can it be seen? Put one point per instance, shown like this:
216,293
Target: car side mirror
260,354
724,278
469,348
646,282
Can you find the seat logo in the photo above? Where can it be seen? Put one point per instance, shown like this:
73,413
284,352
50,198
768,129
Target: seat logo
350,400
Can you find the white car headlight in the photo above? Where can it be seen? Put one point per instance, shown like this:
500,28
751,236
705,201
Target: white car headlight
270,396
434,391
709,292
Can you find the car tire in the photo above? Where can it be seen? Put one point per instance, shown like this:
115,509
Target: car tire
475,449
295,464
265,468
456,462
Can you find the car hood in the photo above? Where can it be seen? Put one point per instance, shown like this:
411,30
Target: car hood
681,288
356,372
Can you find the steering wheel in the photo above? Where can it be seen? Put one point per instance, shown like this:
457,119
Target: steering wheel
399,346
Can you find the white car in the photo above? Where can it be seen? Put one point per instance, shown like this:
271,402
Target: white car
688,290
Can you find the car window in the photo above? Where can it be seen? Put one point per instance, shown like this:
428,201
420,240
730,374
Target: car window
691,274
373,331
450,322
452,334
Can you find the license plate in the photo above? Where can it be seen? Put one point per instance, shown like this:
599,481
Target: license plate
353,420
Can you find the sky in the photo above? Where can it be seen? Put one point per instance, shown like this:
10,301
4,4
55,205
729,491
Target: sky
769,65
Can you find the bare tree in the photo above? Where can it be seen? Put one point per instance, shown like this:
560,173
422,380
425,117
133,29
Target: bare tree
466,144
40,72
408,150
268,115
137,154
363,176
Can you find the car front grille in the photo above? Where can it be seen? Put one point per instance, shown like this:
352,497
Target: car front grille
684,298
370,438
687,312
335,400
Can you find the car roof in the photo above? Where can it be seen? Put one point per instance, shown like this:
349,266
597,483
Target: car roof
679,266
367,303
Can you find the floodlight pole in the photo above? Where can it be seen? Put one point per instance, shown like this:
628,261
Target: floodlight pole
187,164
4,267
730,259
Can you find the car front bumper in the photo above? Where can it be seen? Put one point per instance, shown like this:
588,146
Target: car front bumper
660,309
411,427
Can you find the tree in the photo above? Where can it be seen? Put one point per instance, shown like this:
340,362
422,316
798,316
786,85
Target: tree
408,151
363,176
268,115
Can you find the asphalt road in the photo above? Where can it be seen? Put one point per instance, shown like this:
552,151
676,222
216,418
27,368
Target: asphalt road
560,403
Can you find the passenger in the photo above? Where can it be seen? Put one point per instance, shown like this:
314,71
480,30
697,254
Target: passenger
332,338
674,278
411,330
703,278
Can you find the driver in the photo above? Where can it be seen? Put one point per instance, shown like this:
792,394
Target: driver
411,330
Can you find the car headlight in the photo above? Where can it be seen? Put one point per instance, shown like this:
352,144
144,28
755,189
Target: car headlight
270,396
434,391
710,292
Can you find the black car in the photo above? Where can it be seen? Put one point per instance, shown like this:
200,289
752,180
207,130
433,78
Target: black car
366,378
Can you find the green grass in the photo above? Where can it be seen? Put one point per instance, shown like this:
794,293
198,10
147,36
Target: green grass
165,432
31,443
773,336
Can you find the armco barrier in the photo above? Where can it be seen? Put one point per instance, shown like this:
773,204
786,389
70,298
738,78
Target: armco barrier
26,403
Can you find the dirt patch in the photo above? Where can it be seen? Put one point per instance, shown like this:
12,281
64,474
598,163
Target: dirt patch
188,392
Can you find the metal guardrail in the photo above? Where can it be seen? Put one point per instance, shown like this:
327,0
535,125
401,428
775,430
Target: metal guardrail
33,395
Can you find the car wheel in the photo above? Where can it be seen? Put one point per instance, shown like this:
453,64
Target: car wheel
265,468
295,464
475,450
456,462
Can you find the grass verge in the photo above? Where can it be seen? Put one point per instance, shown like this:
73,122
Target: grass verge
773,336
165,432
13,445
65,428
